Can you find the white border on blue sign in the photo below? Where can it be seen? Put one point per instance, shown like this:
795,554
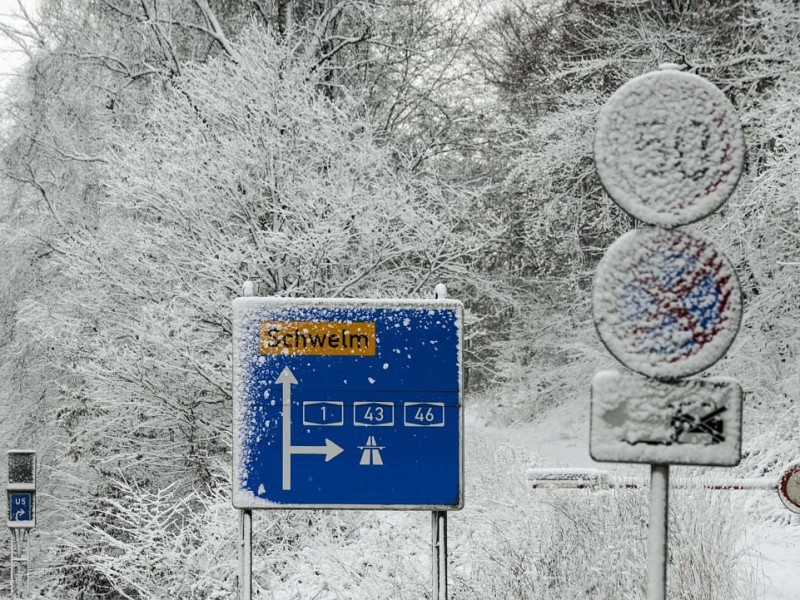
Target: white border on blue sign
248,308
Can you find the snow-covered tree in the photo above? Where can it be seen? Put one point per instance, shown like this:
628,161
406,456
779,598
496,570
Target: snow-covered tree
235,170
553,68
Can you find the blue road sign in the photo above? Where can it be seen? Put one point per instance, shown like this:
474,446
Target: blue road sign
347,404
20,508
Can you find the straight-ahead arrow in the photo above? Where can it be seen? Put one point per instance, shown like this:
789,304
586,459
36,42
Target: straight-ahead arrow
330,450
287,380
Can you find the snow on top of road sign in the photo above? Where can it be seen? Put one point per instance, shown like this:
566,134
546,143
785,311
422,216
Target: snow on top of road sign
789,487
250,303
666,304
691,422
669,148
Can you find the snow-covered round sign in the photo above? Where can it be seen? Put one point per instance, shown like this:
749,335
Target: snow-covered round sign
669,148
789,487
666,304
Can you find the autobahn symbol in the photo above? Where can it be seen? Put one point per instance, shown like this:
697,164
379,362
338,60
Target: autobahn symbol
371,453
347,404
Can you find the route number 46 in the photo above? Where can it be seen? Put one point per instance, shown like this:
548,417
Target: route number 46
424,414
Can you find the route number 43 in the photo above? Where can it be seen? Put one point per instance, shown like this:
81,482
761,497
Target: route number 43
374,414
424,414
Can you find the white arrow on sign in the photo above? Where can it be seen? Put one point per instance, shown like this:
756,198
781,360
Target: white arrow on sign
19,514
331,450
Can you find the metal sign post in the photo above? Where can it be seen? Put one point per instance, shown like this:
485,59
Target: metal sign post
245,554
21,516
439,555
20,563
439,524
245,581
666,304
657,533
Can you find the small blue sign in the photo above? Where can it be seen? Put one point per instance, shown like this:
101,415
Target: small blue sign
20,507
347,404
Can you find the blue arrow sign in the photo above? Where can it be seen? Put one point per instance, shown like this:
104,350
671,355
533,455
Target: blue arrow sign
20,507
347,404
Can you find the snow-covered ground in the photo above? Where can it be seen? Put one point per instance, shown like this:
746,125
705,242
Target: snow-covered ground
561,439
775,552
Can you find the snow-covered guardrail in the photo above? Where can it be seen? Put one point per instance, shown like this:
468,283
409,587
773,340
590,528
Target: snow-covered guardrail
570,478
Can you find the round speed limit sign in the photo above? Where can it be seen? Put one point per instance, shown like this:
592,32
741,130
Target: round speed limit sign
789,487
669,148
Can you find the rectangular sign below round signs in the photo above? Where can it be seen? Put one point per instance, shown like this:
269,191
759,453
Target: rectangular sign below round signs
347,404
688,422
20,509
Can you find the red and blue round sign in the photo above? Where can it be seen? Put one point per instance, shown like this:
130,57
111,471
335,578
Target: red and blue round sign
789,487
666,304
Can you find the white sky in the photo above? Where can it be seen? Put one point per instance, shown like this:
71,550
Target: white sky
11,56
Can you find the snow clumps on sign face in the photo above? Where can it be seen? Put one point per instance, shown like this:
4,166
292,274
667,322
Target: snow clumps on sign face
666,304
669,148
691,422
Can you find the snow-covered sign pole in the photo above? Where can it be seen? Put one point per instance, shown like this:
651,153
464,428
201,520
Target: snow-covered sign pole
669,150
21,516
245,541
439,522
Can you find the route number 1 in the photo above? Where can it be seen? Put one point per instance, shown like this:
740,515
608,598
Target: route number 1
323,413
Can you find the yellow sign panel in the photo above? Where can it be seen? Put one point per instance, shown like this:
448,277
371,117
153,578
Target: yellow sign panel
317,338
